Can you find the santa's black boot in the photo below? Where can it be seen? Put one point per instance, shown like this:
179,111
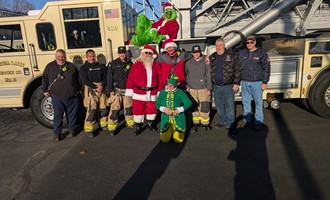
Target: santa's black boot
138,128
151,125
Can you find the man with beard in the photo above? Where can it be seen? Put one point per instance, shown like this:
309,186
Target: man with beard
143,84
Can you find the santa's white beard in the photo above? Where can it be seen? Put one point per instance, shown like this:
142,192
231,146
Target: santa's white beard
148,61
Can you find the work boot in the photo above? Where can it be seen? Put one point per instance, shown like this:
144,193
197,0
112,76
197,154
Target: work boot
90,134
138,128
246,124
57,137
206,127
152,126
72,133
195,128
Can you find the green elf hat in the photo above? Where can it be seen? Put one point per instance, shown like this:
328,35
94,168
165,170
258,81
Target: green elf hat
173,80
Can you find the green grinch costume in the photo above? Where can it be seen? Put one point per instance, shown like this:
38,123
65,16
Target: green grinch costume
173,121
147,32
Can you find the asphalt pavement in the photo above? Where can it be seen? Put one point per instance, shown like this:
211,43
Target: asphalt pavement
287,159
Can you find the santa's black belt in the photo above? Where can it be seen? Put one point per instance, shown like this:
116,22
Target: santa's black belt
145,88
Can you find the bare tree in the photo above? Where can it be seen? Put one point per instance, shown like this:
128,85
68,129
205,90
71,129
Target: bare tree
3,4
22,6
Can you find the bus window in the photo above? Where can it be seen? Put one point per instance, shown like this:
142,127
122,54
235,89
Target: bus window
11,38
82,27
46,36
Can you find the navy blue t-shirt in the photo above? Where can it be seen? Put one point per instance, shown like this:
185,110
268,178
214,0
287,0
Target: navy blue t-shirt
219,70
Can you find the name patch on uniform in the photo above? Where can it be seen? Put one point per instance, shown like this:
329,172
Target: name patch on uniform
96,69
228,58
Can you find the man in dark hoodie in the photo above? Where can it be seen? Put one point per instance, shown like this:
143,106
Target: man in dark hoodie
93,77
226,78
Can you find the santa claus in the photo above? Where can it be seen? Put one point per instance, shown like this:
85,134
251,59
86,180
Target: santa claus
143,85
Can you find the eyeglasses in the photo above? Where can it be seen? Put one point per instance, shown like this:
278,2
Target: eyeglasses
249,42
148,53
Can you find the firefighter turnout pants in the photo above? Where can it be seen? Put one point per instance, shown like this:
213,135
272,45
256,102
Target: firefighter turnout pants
116,101
201,106
95,104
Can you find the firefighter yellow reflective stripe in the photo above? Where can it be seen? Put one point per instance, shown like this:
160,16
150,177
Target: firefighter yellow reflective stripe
205,120
130,122
196,119
89,128
112,126
103,124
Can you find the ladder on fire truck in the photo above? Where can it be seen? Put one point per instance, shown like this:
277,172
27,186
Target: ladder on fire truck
214,18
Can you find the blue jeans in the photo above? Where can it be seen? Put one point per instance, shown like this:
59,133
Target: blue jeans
224,98
70,108
252,90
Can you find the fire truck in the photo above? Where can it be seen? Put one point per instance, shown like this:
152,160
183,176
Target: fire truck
28,44
294,33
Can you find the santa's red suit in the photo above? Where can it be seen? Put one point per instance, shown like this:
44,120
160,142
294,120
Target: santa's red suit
143,85
167,28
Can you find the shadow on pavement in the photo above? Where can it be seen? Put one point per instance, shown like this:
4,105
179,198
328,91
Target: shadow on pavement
252,179
305,180
140,184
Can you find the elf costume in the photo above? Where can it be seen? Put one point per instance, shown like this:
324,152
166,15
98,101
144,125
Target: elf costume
173,123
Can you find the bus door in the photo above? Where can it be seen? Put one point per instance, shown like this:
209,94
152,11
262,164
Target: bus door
16,64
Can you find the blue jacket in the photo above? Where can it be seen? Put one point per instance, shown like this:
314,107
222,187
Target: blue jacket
255,69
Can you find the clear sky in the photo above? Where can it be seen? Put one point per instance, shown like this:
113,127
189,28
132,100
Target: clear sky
40,3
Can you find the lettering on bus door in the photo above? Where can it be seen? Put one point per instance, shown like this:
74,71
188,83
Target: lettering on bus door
15,67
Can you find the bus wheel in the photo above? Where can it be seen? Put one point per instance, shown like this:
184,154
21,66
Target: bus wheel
319,96
42,108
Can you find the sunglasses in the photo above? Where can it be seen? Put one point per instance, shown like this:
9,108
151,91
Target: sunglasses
249,42
148,53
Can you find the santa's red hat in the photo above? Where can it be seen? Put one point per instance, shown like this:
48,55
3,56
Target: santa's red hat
168,43
167,5
148,48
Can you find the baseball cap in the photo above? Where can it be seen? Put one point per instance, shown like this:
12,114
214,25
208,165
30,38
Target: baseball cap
121,49
250,37
196,48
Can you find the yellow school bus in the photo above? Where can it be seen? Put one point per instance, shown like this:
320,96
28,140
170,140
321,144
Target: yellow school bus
28,44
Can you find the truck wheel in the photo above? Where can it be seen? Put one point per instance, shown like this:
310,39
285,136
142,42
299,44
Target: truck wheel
305,103
319,96
42,108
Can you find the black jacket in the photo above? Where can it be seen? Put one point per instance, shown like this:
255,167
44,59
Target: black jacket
67,80
90,73
117,74
257,68
231,69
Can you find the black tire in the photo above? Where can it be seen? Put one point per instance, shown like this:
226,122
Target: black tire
305,103
42,108
319,96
